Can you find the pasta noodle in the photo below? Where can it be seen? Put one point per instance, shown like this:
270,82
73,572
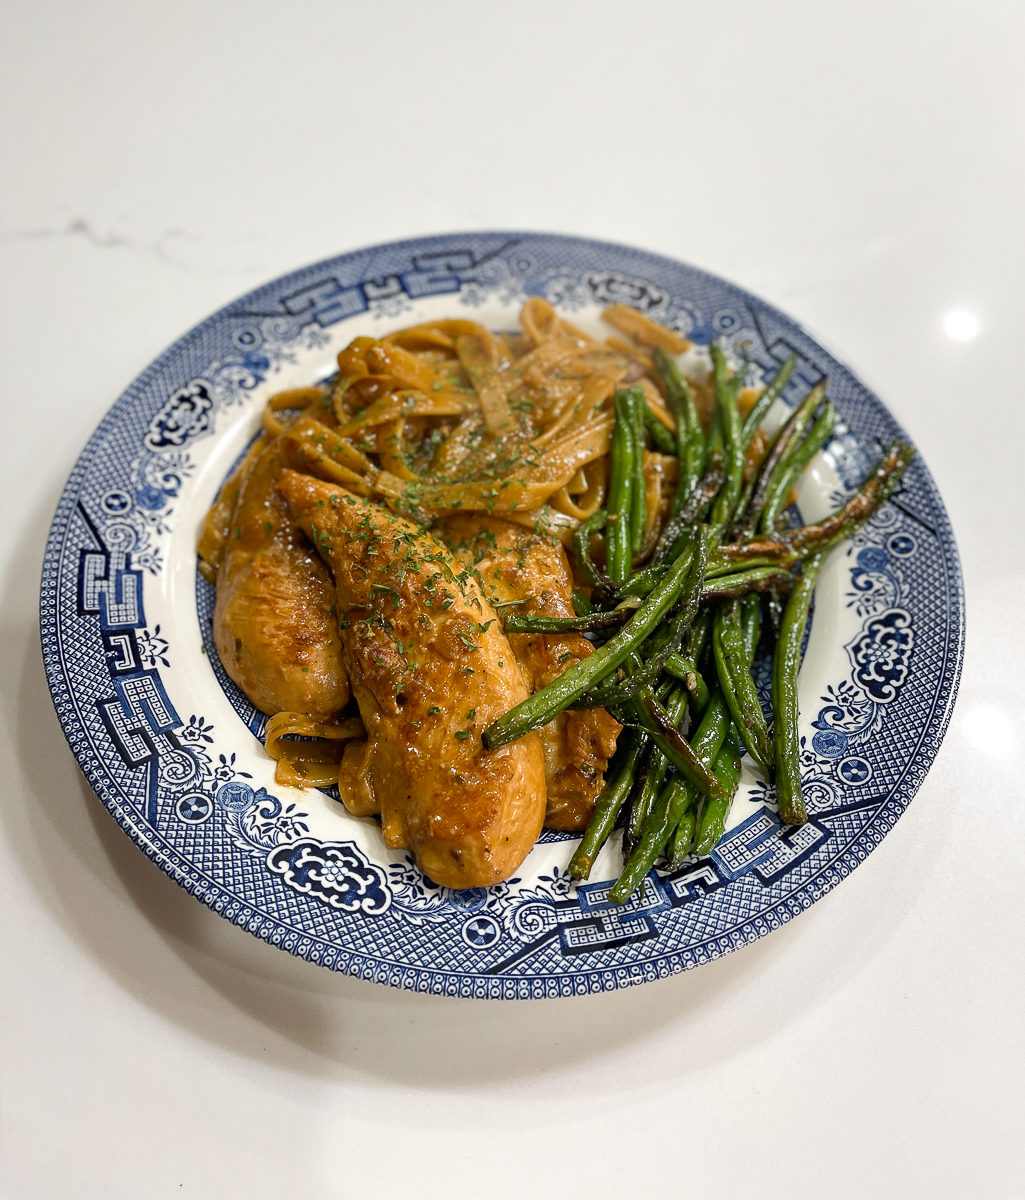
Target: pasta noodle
446,418
313,760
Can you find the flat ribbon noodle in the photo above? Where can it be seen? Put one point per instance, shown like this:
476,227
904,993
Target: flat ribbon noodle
644,330
313,447
217,525
313,762
411,404
530,489
581,502
484,359
390,452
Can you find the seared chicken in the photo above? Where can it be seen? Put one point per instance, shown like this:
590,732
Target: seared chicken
430,668
274,621
516,564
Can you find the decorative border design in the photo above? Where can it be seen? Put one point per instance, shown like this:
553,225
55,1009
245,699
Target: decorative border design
157,773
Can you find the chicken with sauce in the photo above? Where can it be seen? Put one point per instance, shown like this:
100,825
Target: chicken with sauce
322,580
275,623
430,668
518,565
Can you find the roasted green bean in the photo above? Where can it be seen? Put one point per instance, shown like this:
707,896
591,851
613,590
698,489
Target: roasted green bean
685,670
637,404
712,820
659,434
729,417
683,838
610,803
655,771
785,667
738,688
675,746
690,439
659,824
766,400
617,521
542,706
595,579
792,466
589,624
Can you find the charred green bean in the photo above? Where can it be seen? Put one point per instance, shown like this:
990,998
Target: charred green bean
785,667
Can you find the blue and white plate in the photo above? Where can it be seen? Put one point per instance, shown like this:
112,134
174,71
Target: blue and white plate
173,748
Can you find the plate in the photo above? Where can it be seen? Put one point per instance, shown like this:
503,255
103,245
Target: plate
172,747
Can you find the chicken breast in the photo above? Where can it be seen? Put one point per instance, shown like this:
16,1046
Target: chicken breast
274,621
430,668
516,564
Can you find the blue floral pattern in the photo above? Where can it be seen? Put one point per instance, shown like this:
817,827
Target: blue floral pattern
880,654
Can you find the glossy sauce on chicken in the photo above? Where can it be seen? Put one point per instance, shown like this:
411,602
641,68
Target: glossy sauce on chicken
430,668
516,564
275,624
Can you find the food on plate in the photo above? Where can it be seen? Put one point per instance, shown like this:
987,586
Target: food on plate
542,563
530,574
430,667
274,621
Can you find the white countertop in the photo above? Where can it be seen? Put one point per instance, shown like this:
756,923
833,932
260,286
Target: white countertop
861,167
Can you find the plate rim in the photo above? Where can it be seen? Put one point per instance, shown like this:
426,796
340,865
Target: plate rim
360,963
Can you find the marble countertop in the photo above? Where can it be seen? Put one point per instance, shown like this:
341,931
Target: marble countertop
861,167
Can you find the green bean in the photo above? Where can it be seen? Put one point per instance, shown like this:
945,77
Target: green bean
711,732
690,439
788,545
766,400
654,773
638,405
738,687
582,605
658,433
751,622
794,463
686,670
621,686
675,747
774,604
660,823
683,838
641,798
733,556
797,424
588,624
696,506
785,667
617,521
728,587
582,535
740,525
729,415
610,803
697,637
643,582
663,642
542,706
784,442
712,821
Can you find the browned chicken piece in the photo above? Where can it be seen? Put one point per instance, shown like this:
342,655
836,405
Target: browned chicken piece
274,621
430,668
516,564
